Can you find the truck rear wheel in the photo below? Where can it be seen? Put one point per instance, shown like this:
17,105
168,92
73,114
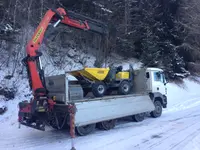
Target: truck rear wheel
158,109
85,130
98,89
106,125
138,117
124,88
58,121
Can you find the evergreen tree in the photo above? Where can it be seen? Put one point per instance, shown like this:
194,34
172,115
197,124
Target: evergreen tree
146,29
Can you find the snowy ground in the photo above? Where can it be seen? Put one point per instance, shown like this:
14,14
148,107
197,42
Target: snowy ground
178,128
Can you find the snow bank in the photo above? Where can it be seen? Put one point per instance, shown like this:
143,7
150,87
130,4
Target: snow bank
2,104
72,61
182,97
23,93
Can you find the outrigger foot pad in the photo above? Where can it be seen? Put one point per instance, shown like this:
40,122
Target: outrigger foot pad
73,148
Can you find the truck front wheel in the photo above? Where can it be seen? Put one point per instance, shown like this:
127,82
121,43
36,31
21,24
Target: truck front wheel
85,130
158,109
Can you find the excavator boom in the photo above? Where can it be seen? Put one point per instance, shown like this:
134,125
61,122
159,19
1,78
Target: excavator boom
35,110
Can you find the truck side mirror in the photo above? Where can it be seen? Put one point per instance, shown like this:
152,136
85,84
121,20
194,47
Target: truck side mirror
166,83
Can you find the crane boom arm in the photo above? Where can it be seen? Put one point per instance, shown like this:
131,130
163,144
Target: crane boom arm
57,16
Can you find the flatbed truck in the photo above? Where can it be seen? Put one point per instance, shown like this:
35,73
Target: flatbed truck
61,103
148,95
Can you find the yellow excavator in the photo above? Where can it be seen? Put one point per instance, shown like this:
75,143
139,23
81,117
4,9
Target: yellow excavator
103,81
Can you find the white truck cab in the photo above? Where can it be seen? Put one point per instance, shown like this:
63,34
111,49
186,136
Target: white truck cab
156,81
156,84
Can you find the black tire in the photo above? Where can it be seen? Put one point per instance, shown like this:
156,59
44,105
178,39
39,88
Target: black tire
85,130
60,121
54,126
106,125
124,88
98,89
158,109
138,117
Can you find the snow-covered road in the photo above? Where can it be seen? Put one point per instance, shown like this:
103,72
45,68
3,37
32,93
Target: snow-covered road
178,128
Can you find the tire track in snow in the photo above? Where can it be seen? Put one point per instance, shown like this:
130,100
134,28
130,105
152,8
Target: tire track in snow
177,135
139,139
184,105
184,142
31,139
156,146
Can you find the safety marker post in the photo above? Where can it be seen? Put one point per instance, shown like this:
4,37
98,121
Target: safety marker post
72,125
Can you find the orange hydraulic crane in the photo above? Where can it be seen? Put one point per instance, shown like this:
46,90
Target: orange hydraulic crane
35,112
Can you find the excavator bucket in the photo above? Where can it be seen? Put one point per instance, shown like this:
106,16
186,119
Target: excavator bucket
93,74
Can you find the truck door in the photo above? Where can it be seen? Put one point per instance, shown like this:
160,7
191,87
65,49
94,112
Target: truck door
158,83
149,81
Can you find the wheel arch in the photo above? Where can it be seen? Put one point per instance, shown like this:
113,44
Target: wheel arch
158,97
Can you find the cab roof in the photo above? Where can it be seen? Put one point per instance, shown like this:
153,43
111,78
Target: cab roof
154,69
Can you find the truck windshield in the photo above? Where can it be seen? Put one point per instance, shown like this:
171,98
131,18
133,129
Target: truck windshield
159,76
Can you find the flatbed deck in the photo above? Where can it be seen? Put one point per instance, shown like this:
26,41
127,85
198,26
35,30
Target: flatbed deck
108,108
